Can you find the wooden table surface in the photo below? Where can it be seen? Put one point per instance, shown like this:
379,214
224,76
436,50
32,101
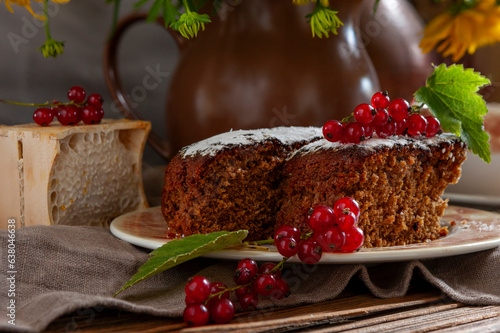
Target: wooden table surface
423,309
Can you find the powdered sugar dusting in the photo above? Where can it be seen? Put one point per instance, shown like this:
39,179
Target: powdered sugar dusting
286,135
375,142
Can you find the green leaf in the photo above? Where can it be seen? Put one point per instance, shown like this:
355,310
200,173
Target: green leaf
451,95
170,13
155,9
178,251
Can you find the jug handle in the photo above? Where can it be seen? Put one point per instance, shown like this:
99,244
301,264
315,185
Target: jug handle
113,81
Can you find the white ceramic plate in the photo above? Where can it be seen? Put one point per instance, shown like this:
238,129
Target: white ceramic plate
472,231
484,201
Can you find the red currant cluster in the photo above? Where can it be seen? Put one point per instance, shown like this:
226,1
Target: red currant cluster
382,117
207,300
334,230
78,109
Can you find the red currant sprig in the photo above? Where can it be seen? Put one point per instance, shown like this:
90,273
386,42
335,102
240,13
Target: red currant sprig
78,109
383,117
334,230
207,300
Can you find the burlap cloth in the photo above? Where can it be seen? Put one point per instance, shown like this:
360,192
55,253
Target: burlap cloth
61,269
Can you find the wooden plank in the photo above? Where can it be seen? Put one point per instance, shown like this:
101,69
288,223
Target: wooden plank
431,322
491,325
382,319
317,314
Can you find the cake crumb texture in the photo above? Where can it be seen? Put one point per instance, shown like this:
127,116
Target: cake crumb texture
398,188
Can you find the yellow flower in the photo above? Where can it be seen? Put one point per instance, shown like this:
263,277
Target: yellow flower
453,35
27,4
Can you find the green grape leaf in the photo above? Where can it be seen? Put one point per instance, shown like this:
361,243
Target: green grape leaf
451,95
181,250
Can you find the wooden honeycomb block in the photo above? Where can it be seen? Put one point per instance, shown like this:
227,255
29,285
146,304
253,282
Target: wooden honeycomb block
71,175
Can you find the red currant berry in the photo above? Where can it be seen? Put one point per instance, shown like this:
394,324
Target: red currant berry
196,315
249,301
43,116
353,133
369,129
416,124
264,284
282,289
287,246
433,126
95,100
69,115
400,126
190,301
198,289
363,113
241,291
101,113
380,100
250,264
398,109
242,276
76,94
386,130
55,107
333,130
347,221
222,310
322,217
331,240
345,205
310,252
268,267
90,115
286,231
381,117
354,239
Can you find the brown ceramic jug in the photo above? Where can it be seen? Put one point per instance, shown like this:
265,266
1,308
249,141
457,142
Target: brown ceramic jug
391,37
258,66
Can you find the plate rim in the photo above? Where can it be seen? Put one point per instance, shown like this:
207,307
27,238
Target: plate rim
371,255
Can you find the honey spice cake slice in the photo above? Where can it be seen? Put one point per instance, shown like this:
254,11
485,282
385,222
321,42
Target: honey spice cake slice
230,181
397,181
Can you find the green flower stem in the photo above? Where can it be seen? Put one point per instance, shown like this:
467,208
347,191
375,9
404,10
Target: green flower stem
51,47
116,11
186,6
46,15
